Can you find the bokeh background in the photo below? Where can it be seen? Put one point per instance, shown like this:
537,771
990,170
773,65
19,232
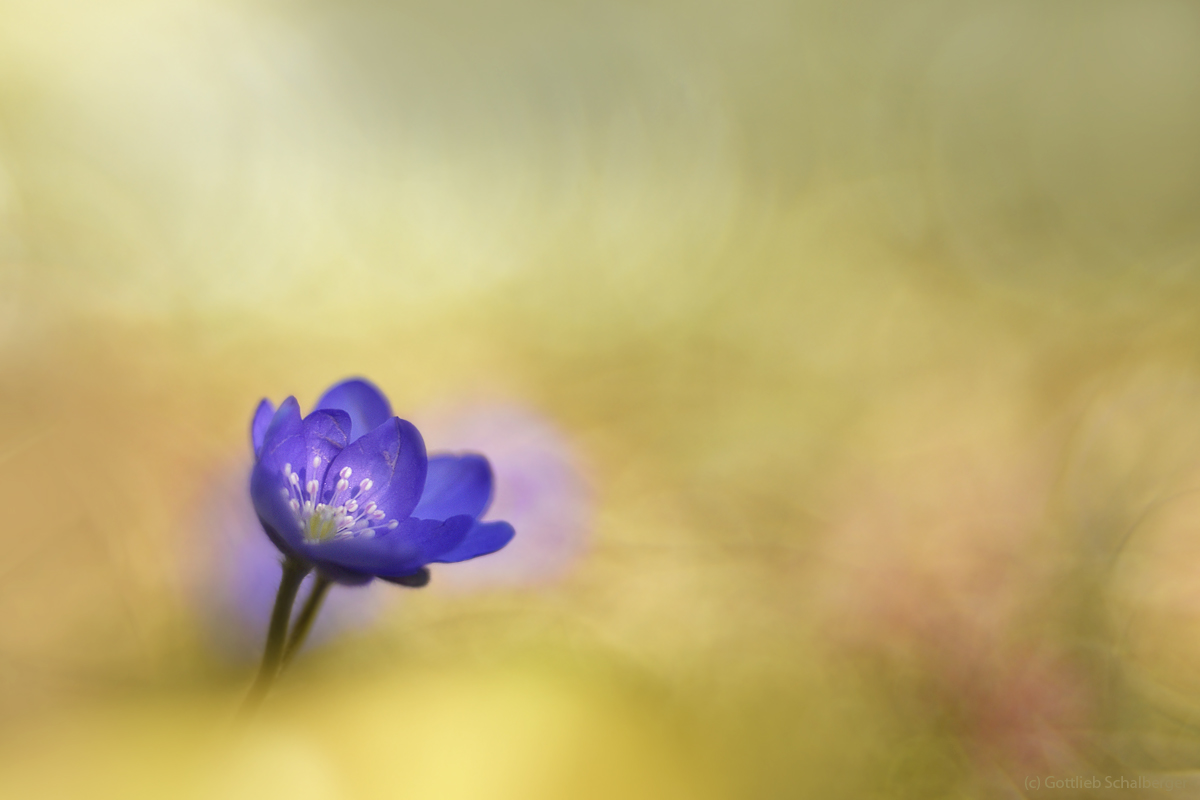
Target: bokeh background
844,357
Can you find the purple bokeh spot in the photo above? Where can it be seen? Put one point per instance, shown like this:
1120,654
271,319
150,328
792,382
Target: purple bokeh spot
540,488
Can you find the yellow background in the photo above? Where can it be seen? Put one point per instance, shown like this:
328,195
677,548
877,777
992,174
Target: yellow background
875,322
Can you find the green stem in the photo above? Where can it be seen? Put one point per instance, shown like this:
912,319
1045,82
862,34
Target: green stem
304,622
289,584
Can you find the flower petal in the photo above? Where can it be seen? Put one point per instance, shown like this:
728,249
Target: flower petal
455,485
283,443
285,424
260,423
483,538
367,406
396,553
346,577
392,458
414,581
326,434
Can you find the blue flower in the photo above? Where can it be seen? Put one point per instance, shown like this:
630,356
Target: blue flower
348,490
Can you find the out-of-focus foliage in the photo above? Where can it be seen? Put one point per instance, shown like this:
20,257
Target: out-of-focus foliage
870,330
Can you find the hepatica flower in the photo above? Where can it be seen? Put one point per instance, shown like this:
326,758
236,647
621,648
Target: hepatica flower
348,492
540,486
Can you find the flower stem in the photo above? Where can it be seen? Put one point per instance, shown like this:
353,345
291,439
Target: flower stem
304,622
289,584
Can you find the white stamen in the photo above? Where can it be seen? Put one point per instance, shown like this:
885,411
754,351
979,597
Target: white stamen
322,521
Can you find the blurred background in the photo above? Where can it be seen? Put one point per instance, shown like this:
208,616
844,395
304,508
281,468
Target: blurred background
838,360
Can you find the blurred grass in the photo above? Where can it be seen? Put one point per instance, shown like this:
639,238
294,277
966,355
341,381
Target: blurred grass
874,322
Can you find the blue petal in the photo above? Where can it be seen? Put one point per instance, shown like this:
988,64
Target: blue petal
367,406
346,577
393,458
483,538
455,485
325,435
260,423
283,443
414,581
397,553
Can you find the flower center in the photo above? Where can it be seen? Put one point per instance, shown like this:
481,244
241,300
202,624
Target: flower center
340,514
